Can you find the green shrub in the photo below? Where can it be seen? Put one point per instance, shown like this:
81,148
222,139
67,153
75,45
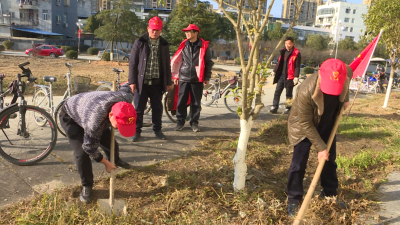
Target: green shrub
92,51
308,70
84,48
71,54
58,46
237,60
2,48
105,56
8,44
66,48
75,48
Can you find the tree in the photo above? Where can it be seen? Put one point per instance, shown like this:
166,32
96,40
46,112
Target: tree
91,24
225,28
277,33
380,50
384,14
347,44
317,42
250,15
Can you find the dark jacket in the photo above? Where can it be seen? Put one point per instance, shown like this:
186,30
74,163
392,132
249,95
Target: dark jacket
140,55
307,109
279,67
187,72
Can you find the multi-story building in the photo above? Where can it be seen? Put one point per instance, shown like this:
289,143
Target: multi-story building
32,18
142,8
367,2
342,18
308,10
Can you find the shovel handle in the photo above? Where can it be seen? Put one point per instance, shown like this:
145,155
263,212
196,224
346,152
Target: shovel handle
112,160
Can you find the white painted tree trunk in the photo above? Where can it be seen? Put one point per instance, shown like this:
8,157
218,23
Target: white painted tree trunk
389,90
239,161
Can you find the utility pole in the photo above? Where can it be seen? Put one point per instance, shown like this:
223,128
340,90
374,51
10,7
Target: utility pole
9,17
79,24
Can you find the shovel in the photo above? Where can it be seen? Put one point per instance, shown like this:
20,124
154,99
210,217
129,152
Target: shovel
112,206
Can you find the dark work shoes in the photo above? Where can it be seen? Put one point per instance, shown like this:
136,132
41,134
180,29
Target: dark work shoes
195,128
179,127
136,137
123,164
160,135
86,194
273,110
292,209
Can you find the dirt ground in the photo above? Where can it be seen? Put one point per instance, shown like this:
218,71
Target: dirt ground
95,70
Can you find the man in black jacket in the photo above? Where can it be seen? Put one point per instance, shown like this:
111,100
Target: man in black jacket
286,73
150,75
191,69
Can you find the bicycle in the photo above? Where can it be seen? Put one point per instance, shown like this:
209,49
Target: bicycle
212,92
24,142
43,96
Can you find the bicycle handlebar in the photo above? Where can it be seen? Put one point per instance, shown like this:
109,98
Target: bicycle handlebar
23,64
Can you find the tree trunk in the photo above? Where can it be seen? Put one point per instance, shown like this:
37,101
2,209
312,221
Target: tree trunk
240,156
389,87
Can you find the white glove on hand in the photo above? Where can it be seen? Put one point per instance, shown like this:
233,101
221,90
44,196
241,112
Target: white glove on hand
295,81
272,73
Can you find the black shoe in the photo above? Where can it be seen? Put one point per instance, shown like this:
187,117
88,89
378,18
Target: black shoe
273,110
179,127
195,128
136,137
339,203
292,209
160,135
86,194
123,164
287,110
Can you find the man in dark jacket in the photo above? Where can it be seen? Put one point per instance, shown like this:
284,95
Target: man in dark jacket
286,73
191,68
87,128
316,106
150,75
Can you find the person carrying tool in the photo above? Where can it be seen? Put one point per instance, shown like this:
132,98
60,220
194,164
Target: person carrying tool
315,108
86,119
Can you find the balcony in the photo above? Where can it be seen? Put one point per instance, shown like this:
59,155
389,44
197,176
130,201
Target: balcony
29,4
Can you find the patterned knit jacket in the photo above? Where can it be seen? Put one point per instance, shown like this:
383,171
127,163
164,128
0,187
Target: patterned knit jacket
90,111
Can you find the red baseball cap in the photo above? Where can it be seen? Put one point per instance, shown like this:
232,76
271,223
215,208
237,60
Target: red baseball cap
192,27
155,23
333,76
125,115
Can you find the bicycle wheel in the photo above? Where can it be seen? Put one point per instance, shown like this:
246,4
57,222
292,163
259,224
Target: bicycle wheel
57,119
104,87
209,92
232,99
173,117
41,100
34,144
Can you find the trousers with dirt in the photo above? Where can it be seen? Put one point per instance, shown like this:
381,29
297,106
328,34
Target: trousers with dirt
279,88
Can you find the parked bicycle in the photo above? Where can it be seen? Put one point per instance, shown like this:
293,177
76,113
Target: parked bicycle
43,96
24,142
212,92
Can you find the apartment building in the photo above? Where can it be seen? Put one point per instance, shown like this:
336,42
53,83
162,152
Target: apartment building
344,19
308,10
33,18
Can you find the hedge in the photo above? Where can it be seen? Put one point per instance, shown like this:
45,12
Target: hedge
66,48
92,51
237,60
8,44
105,56
308,70
71,54
2,48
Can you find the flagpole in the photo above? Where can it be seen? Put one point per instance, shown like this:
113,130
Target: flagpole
337,36
348,112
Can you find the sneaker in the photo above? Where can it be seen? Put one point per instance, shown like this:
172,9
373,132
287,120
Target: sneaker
338,202
136,137
273,110
292,209
287,110
160,135
123,164
86,194
179,127
195,128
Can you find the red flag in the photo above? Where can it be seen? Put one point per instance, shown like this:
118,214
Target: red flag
360,64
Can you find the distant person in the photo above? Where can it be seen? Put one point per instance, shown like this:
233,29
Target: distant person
286,73
86,119
191,69
150,75
381,76
315,109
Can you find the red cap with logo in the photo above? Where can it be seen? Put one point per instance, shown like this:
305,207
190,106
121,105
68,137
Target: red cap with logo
333,76
192,27
125,115
155,23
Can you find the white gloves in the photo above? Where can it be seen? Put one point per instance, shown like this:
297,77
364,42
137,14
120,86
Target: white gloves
295,81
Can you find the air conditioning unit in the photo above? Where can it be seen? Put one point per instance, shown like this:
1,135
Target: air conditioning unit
65,25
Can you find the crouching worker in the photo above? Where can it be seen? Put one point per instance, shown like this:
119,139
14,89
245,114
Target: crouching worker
316,106
86,119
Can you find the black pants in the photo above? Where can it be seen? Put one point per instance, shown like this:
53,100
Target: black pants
329,180
279,88
195,90
154,92
75,136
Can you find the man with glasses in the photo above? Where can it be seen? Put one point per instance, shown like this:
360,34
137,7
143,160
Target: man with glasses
191,69
150,75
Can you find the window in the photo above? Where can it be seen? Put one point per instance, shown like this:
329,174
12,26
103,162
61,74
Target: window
58,19
58,2
351,29
12,15
154,4
45,14
354,11
66,2
65,17
346,20
352,20
346,29
350,37
348,10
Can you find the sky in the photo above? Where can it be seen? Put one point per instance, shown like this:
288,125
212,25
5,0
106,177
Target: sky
276,10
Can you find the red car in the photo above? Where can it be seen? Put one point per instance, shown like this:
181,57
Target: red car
45,50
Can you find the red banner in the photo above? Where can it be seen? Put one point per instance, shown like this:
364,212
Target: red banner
79,33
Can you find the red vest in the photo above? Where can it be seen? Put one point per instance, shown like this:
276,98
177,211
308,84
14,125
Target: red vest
291,63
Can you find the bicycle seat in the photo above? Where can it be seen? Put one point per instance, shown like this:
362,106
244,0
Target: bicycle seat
50,79
2,76
117,70
68,65
221,75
